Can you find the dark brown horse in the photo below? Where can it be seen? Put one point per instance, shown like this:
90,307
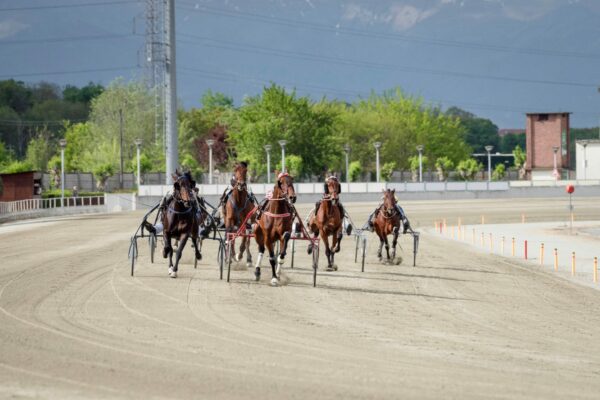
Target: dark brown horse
275,223
237,205
180,220
327,221
387,220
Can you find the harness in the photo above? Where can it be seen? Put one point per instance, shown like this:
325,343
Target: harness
237,211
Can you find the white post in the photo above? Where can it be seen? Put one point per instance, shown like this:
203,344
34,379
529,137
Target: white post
171,142
267,148
282,143
210,143
138,143
420,150
555,172
489,149
347,151
63,144
377,146
584,162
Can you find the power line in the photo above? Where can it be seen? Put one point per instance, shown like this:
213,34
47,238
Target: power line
396,36
105,3
368,64
69,38
361,94
81,71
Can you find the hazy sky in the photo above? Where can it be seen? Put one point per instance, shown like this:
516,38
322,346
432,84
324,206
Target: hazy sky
495,58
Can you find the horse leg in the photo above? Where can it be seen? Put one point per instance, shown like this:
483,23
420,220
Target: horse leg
395,241
283,246
328,251
260,241
387,247
339,237
197,248
182,243
167,250
379,255
334,248
248,254
272,261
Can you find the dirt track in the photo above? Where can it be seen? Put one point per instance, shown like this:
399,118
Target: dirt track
462,324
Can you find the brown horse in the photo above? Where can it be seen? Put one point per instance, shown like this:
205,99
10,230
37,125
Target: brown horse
327,221
237,205
387,220
275,223
180,220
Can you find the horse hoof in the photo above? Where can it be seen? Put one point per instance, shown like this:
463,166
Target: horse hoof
248,264
309,250
274,282
198,256
237,257
257,274
337,249
278,270
172,273
335,267
171,270
329,268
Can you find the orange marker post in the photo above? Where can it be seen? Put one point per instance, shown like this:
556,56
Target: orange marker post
595,269
556,259
573,268
525,248
502,245
542,254
513,247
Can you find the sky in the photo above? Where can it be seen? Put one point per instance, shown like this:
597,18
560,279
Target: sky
495,58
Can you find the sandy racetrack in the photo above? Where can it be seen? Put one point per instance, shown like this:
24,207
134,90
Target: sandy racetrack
462,324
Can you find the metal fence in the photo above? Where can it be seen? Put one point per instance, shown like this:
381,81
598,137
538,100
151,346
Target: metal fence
40,204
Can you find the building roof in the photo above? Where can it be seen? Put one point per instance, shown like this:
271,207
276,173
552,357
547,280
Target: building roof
548,112
588,141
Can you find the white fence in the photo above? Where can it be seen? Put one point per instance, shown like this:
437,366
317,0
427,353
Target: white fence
355,187
40,204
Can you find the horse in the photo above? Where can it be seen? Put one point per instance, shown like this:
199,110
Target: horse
275,223
180,219
387,221
237,205
327,221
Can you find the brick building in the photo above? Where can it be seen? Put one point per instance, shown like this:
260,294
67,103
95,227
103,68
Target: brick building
544,132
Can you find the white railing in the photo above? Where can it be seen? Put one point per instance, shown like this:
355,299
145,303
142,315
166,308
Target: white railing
39,204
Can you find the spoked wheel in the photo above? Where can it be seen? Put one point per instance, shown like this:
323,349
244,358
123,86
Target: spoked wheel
152,244
133,253
315,260
293,251
221,258
195,258
229,257
364,252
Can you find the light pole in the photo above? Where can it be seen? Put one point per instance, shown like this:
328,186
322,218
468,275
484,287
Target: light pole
489,148
584,162
210,143
347,151
377,146
138,144
555,172
63,144
420,148
282,143
121,147
268,148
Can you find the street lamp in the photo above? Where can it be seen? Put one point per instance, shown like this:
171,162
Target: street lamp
63,144
268,148
138,144
347,150
420,148
489,148
210,143
555,172
282,143
377,146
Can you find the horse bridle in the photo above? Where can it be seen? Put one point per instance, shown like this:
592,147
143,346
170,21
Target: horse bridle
289,199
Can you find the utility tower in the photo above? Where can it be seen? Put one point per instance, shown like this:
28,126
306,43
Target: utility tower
161,77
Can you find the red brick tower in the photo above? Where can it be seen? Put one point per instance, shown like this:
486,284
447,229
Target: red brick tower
545,132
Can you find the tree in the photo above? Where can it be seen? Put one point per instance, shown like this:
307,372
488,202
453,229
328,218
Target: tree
499,172
443,166
216,100
520,161
293,164
468,169
40,149
387,170
414,166
355,171
480,132
15,95
84,95
275,115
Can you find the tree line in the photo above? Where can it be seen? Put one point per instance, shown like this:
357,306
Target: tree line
34,117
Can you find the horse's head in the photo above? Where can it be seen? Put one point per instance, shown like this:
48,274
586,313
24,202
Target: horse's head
182,188
389,202
285,183
333,188
240,174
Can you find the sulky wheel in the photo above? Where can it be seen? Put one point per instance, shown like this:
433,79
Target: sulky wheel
152,244
315,260
364,252
229,257
221,258
133,253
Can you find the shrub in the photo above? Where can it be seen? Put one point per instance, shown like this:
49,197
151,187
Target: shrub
499,172
387,170
102,173
293,164
468,169
355,171
443,166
